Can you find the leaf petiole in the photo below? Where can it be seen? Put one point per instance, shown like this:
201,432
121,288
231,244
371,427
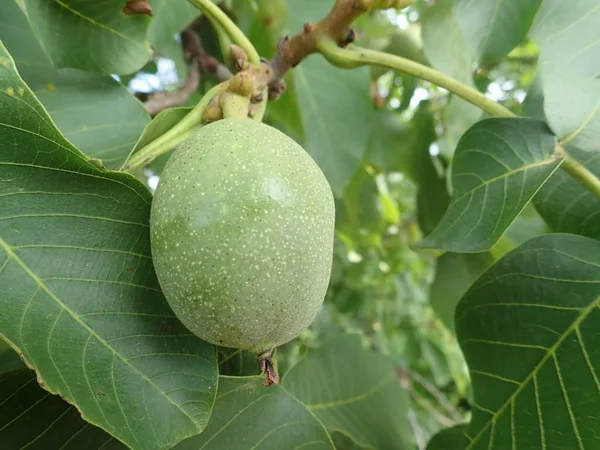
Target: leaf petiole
578,171
352,57
175,135
215,14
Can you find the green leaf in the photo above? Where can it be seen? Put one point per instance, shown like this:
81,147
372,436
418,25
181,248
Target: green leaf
336,131
354,391
95,112
495,27
567,33
9,359
455,272
30,417
285,111
90,36
344,442
168,19
529,331
498,167
449,439
391,144
528,225
237,362
445,46
566,205
362,203
432,200
248,416
75,257
448,51
264,22
163,122
572,106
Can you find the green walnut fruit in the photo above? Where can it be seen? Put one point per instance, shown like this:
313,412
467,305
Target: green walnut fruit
242,228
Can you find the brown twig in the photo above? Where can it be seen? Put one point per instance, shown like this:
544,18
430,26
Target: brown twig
198,62
336,26
193,50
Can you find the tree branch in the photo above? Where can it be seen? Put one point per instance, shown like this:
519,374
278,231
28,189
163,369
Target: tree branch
335,26
198,62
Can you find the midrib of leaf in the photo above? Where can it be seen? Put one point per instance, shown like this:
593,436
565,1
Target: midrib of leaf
584,124
237,352
280,387
505,175
350,400
572,24
239,413
82,174
549,354
98,24
41,285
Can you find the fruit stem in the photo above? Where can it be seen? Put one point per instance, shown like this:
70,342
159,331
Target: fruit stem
234,105
352,57
173,137
265,360
217,16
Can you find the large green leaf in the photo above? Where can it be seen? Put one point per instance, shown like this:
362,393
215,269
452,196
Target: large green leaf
168,19
448,51
354,391
95,112
163,122
237,362
80,299
495,27
247,416
392,146
567,33
344,442
91,36
455,272
566,205
9,359
529,331
32,418
449,439
336,131
498,167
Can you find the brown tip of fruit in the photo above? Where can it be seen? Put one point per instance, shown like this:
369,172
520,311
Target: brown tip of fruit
267,367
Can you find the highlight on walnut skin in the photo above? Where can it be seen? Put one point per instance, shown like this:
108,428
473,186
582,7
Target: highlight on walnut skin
299,225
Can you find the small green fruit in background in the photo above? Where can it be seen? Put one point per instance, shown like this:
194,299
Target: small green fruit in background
242,229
